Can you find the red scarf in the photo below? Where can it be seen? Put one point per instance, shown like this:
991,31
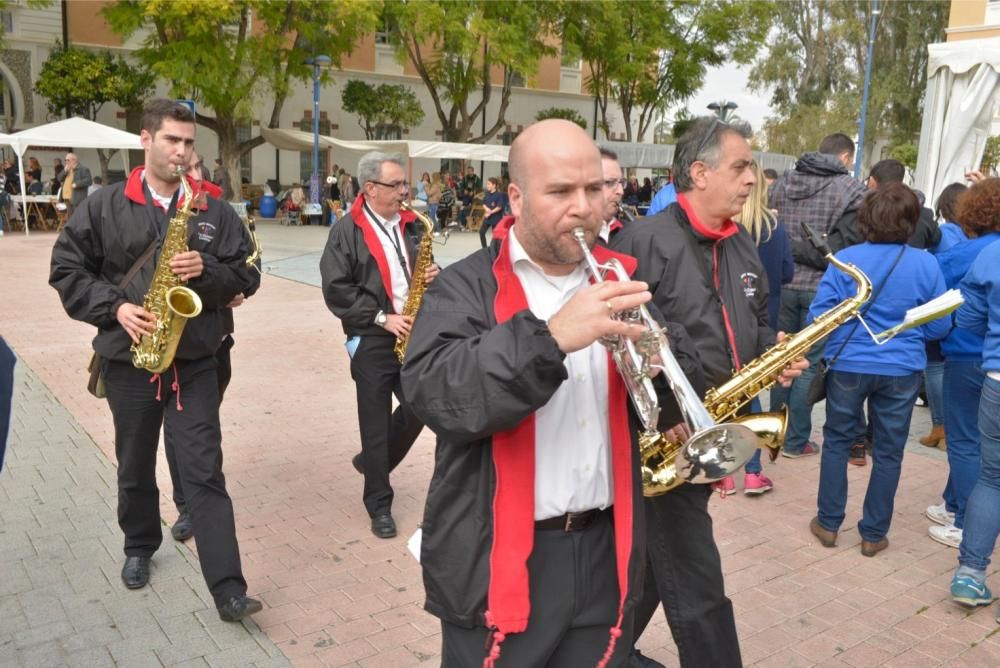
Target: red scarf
508,607
373,242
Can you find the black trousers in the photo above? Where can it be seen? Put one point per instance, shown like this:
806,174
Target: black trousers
574,604
224,372
386,435
684,571
7,362
196,437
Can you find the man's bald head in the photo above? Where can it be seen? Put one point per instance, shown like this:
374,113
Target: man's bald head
544,138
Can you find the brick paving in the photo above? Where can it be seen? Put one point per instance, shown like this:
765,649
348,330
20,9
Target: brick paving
336,596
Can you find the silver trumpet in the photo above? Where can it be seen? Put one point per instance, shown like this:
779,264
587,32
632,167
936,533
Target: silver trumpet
714,451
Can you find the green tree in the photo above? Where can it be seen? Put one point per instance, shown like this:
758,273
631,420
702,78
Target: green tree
905,153
563,113
227,55
649,55
386,106
456,46
991,155
78,82
816,68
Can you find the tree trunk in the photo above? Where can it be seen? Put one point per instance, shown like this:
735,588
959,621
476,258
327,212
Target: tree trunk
229,153
105,160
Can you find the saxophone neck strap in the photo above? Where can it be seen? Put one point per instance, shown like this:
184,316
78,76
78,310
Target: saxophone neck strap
134,269
393,236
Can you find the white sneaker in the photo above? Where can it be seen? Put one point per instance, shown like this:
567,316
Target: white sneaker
940,515
949,535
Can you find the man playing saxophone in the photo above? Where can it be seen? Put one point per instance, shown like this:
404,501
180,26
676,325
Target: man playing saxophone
366,270
705,273
102,266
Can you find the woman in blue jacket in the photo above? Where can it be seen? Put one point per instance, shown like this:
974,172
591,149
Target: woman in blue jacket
887,376
981,314
979,215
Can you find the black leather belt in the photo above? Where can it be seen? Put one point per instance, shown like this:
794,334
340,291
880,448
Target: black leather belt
571,521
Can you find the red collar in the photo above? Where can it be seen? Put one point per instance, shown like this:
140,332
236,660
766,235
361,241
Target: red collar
135,192
728,228
360,218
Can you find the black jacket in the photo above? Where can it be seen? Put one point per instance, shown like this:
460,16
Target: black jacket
678,263
110,231
352,277
467,378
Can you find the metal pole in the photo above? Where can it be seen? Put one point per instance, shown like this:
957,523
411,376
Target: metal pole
314,181
864,94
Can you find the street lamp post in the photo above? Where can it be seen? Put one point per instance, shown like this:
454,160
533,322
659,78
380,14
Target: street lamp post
864,95
723,110
317,62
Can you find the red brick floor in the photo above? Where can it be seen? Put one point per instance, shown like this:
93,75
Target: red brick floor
335,595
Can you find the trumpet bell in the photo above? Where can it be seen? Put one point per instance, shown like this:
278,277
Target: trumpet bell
715,452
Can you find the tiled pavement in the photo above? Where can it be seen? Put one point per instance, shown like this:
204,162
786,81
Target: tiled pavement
334,594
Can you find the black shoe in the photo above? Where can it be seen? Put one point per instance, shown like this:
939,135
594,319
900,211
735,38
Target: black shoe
637,660
358,463
182,529
384,526
238,608
135,572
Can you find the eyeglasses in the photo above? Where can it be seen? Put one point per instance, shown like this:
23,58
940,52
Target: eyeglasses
395,185
611,183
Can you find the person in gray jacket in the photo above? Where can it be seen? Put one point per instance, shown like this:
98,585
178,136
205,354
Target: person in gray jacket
74,180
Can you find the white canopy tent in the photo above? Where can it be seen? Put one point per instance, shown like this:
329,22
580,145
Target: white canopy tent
654,156
963,82
75,132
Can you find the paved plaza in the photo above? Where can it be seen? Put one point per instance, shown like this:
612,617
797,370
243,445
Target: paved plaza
335,595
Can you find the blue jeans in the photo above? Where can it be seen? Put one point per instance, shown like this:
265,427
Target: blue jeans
934,384
753,465
982,512
891,401
432,211
963,383
792,318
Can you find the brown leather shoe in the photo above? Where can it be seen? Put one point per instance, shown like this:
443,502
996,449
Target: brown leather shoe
826,537
936,436
871,549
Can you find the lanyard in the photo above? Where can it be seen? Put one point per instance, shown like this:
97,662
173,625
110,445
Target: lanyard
393,239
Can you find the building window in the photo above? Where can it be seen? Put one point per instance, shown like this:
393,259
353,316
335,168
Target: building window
388,131
517,79
992,12
306,157
7,20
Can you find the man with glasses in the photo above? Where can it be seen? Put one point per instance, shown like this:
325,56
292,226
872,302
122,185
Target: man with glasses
366,269
705,274
614,188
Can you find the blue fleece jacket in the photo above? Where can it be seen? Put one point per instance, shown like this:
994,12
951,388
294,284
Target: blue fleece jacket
666,196
916,280
980,314
961,344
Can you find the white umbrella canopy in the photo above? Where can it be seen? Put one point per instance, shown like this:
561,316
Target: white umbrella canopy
76,132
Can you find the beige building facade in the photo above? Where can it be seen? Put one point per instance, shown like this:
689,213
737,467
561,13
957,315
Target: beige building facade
32,33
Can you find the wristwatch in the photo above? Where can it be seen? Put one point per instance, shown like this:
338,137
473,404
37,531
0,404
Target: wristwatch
381,318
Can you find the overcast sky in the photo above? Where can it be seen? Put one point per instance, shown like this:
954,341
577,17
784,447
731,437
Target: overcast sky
729,83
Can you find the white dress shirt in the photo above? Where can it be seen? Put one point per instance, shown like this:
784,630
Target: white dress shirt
390,234
572,438
605,232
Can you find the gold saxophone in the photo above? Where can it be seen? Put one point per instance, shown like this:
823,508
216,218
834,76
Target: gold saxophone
168,299
663,469
418,284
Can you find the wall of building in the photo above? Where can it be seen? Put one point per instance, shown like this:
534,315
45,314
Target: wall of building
973,19
36,31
